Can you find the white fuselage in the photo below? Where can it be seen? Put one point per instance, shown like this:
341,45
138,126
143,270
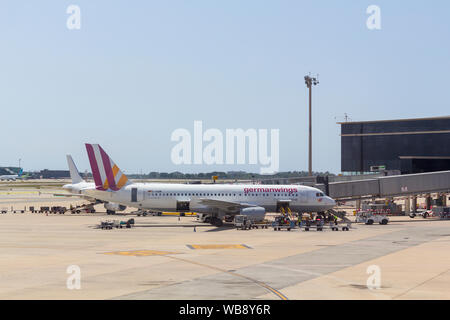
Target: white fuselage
80,187
167,197
10,177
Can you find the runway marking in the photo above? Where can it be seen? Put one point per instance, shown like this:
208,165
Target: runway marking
140,253
420,284
217,246
168,255
18,192
234,274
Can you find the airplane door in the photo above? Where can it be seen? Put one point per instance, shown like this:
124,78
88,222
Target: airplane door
282,206
137,195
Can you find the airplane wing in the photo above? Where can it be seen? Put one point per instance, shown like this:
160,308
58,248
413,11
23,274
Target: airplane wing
228,206
73,195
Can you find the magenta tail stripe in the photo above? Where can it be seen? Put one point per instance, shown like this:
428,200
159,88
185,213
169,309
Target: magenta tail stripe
94,167
108,169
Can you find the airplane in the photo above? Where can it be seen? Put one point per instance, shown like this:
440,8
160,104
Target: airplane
12,177
79,186
215,202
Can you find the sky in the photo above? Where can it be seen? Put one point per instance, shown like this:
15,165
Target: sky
136,71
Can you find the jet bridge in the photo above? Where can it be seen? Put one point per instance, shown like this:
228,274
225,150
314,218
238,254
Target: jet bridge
390,186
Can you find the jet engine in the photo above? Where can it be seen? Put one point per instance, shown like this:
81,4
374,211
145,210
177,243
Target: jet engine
112,206
254,213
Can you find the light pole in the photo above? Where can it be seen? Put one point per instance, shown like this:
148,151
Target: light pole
310,81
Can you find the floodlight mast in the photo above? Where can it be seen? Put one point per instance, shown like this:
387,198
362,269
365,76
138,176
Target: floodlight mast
310,81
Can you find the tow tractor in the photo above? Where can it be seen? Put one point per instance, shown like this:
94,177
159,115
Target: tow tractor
371,217
110,224
423,213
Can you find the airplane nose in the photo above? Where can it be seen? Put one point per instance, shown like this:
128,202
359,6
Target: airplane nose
331,201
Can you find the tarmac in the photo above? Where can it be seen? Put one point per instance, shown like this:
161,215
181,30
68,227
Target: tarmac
178,258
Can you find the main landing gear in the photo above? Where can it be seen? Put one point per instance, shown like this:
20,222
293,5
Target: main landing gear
216,222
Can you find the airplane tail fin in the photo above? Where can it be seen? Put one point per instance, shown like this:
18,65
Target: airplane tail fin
19,174
107,174
74,175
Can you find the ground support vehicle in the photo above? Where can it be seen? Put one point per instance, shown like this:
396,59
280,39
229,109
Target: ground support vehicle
423,213
370,218
243,222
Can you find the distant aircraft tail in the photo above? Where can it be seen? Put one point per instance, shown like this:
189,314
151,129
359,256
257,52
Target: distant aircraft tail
20,172
107,174
74,174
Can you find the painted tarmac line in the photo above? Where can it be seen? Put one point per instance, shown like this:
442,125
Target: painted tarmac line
217,246
317,263
261,284
421,284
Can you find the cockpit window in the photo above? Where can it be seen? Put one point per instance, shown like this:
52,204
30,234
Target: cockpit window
320,194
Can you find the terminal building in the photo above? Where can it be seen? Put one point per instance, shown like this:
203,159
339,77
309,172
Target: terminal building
406,145
54,174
